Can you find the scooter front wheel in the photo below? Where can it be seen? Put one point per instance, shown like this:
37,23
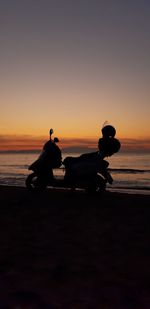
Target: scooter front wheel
34,183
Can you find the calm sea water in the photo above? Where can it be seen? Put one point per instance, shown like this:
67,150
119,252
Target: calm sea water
130,171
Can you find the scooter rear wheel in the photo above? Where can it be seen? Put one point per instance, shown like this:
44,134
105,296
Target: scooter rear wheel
34,183
100,184
97,185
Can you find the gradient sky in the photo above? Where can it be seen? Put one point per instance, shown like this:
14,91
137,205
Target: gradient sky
72,65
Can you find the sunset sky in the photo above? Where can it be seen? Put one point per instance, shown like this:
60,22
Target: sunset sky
72,65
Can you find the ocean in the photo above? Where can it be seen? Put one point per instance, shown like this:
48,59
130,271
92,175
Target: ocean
130,171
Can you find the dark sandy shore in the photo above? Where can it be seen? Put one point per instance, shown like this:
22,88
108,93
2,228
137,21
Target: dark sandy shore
60,249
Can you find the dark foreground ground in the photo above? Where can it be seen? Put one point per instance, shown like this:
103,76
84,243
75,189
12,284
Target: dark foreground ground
60,249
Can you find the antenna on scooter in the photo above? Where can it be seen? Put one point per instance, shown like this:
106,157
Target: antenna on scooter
51,132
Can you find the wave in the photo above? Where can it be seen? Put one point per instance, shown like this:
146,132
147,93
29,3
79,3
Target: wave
113,170
21,166
128,170
127,187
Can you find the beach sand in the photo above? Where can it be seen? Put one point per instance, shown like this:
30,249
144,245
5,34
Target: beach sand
63,249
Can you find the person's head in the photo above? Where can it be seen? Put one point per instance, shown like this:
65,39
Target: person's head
108,131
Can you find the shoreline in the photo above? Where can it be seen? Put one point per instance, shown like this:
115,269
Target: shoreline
69,250
119,190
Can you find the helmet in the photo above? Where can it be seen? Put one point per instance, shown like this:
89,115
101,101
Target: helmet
109,146
108,131
56,140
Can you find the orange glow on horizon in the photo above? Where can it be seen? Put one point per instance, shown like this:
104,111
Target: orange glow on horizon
74,68
23,143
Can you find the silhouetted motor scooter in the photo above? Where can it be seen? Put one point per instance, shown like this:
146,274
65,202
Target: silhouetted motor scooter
88,171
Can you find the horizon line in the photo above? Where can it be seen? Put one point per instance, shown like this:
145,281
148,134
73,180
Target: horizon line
27,144
73,150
